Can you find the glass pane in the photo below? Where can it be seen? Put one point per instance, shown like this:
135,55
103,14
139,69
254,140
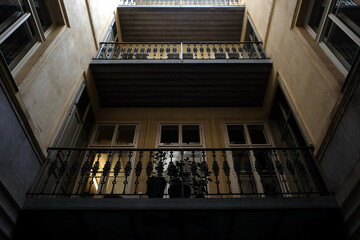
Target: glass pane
43,13
104,135
89,122
236,134
125,135
191,134
169,135
257,134
82,103
10,11
341,45
349,12
316,14
18,43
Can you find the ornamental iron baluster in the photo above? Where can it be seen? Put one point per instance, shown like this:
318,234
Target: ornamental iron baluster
94,170
301,169
271,170
160,158
106,170
291,170
117,169
50,172
204,170
127,170
84,170
73,169
249,172
216,170
62,170
280,169
226,168
138,170
149,166
237,169
193,170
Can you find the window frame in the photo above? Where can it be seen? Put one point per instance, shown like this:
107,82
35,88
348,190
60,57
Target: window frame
31,16
248,143
328,18
180,137
114,135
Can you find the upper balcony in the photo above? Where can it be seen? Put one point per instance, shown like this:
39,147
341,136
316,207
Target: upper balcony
181,54
180,20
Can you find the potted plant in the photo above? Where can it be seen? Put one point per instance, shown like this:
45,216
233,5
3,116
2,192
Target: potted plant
200,178
178,176
156,183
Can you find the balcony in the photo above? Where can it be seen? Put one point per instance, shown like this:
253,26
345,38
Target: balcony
181,74
101,193
205,173
155,21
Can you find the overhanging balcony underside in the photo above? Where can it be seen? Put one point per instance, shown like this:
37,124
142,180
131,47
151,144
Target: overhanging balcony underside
181,83
179,23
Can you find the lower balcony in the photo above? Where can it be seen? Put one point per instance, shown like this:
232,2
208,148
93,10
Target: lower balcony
179,173
258,193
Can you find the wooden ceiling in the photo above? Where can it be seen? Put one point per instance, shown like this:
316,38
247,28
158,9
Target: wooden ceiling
175,24
181,83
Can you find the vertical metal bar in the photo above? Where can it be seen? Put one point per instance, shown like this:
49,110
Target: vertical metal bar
127,169
138,170
291,170
216,170
280,170
105,172
226,168
117,169
61,170
84,171
94,170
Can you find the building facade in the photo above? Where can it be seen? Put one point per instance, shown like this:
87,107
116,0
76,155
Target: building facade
249,108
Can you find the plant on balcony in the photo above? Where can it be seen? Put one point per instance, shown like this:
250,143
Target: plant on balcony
156,183
178,176
200,178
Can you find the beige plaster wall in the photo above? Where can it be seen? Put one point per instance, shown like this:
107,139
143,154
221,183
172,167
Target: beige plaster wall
262,17
311,83
48,89
101,13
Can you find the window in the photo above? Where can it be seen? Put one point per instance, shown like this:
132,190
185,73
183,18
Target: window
180,135
115,135
23,23
256,171
243,134
335,25
76,130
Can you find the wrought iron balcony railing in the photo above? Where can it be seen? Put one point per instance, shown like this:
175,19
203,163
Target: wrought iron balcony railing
162,173
181,3
164,50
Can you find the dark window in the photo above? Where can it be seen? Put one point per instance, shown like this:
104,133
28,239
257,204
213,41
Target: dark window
316,14
191,134
125,135
169,134
43,12
236,134
104,135
257,134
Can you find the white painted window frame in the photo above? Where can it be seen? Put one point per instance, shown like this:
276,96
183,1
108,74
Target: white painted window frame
234,183
328,18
